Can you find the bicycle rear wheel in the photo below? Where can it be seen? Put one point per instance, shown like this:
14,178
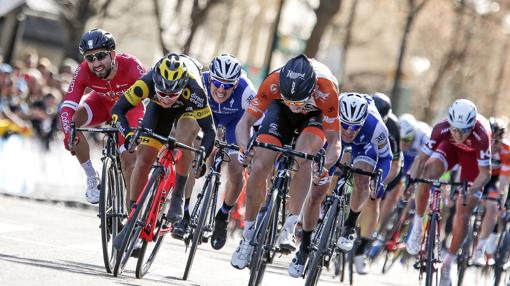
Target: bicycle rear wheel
324,247
199,227
463,257
430,271
137,222
110,220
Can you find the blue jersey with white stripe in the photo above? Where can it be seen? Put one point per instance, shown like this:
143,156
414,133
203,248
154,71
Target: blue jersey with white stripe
230,112
371,144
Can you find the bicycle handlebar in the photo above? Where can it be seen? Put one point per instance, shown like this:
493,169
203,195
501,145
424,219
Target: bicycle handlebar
170,141
438,183
350,169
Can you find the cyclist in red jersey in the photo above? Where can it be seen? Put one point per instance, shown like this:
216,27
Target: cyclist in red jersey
495,192
464,138
105,75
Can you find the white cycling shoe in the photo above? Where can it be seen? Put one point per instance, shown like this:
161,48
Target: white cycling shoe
242,256
92,194
413,242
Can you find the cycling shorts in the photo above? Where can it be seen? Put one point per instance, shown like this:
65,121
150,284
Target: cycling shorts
280,125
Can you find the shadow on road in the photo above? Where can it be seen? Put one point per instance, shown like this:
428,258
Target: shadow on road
84,268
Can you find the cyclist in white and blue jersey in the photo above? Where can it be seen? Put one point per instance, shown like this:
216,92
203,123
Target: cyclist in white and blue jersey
363,129
413,135
228,92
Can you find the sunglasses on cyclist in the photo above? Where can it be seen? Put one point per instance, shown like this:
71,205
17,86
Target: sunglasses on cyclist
294,103
171,95
222,84
407,139
461,130
97,56
352,127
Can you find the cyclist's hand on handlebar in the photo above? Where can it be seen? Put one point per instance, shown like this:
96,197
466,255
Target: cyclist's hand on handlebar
199,165
245,157
320,179
66,142
127,142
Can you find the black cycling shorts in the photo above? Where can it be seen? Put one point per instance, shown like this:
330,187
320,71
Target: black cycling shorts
285,125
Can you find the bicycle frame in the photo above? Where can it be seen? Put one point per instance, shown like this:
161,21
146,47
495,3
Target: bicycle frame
165,161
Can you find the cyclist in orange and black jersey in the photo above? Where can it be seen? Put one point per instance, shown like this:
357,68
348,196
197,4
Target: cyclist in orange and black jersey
177,95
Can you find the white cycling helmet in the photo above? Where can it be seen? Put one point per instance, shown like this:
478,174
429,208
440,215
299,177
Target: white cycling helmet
462,114
353,108
407,124
225,67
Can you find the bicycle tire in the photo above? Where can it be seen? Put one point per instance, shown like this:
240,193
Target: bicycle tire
109,223
143,266
199,229
430,245
133,227
317,262
256,264
463,258
501,257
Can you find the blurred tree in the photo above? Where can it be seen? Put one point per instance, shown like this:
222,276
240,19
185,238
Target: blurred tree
347,40
75,14
161,29
220,41
414,8
494,95
199,13
273,38
324,13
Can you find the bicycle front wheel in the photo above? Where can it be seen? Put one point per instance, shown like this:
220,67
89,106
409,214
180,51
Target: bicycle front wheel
463,257
109,211
199,228
326,238
257,264
137,222
501,258
430,270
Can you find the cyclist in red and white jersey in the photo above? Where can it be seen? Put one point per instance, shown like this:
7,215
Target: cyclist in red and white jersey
104,75
463,138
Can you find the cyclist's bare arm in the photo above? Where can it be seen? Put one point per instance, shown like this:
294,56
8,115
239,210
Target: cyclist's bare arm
483,177
243,129
394,169
418,165
334,147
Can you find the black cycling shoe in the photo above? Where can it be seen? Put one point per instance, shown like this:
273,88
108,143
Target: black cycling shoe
136,252
181,228
219,236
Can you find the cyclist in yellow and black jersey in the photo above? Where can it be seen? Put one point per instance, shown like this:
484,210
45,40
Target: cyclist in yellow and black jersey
177,97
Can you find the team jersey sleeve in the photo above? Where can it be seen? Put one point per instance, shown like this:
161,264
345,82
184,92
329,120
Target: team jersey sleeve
132,97
268,91
327,101
249,93
141,89
200,110
73,96
381,144
435,138
137,70
504,157
484,154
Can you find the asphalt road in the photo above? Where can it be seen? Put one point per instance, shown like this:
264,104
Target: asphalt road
52,244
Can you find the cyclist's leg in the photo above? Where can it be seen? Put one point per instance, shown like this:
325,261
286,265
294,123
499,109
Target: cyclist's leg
185,132
160,121
92,112
491,205
128,159
391,197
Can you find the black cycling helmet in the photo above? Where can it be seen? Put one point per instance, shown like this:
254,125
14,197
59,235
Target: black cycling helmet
498,127
170,74
383,103
96,39
297,79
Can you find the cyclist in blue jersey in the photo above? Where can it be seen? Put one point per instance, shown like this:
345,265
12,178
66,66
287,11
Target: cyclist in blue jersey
414,135
228,92
365,131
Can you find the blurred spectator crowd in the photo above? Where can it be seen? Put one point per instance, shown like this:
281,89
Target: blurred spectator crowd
30,91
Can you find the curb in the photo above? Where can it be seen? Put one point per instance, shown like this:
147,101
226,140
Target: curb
69,204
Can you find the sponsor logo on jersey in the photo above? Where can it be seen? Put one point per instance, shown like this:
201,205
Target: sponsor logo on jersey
273,88
197,100
323,96
71,84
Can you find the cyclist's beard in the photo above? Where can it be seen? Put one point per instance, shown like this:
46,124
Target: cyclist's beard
105,72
